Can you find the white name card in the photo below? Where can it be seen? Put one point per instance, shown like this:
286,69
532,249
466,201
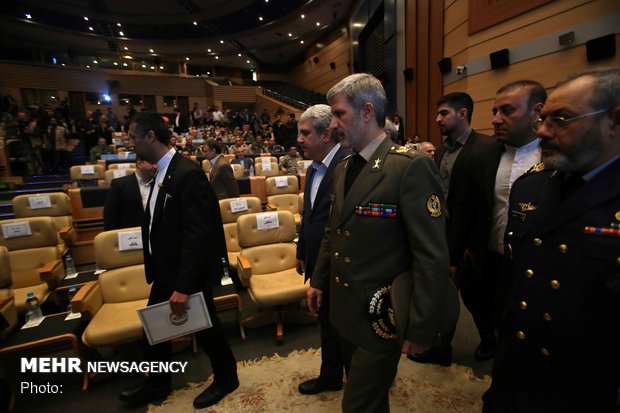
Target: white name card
238,205
118,173
265,160
267,220
130,240
281,181
267,166
124,165
40,202
87,169
16,229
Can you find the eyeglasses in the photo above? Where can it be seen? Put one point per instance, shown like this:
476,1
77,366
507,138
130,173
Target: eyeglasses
561,121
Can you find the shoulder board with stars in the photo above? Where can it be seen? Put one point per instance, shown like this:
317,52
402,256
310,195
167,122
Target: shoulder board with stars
402,150
539,167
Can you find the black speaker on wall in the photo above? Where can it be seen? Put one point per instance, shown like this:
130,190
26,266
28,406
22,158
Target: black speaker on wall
445,65
316,59
332,65
601,48
408,73
500,59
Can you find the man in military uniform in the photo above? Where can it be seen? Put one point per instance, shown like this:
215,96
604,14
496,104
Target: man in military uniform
288,163
102,148
558,350
386,228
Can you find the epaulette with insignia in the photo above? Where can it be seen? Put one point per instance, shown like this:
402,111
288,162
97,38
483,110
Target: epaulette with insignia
539,167
403,150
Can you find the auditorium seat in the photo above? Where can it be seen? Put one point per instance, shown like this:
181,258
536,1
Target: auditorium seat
282,195
84,176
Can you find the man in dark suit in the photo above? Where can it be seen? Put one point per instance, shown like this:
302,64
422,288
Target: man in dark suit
454,114
127,197
386,229
181,121
479,208
183,239
221,176
320,143
558,349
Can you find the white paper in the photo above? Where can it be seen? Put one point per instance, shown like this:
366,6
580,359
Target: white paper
72,276
265,159
226,280
40,202
158,326
72,316
267,220
33,323
239,205
129,240
16,229
281,181
124,165
118,134
267,166
87,169
118,173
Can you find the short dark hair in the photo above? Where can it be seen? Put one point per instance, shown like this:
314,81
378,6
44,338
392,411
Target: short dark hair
151,121
606,94
212,144
538,94
458,101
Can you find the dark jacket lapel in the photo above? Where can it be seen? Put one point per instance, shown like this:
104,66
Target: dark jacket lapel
165,187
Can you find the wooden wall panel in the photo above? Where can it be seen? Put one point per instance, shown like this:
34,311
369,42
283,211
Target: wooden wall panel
455,15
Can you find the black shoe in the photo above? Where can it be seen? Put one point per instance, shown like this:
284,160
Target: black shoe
213,394
144,393
486,350
441,355
316,386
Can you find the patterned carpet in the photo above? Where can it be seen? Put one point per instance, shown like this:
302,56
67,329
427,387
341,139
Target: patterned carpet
270,385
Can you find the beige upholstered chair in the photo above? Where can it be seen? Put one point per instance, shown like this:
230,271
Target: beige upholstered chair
237,170
127,165
5,274
282,197
267,262
303,165
35,205
34,259
261,169
111,302
206,166
111,174
229,220
266,155
301,203
82,177
8,314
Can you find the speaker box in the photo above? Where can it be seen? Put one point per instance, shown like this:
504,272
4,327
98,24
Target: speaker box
408,73
445,65
601,48
499,59
316,59
332,65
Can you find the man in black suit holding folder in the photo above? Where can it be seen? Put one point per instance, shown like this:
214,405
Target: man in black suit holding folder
183,241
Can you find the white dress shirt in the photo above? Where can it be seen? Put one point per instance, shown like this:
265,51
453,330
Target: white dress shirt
162,168
319,173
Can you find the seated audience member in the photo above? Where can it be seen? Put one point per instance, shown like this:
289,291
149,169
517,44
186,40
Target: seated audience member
221,176
102,148
288,163
127,197
244,161
427,149
129,146
239,144
258,146
174,144
273,147
390,130
247,134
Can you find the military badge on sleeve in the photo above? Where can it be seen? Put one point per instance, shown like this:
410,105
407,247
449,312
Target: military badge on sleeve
433,205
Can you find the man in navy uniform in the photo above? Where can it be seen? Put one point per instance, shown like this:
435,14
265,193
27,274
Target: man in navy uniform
559,348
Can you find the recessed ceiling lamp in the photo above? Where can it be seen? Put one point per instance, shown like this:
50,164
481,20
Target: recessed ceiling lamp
85,18
95,62
152,67
151,50
161,67
28,16
301,41
318,24
88,67
209,50
239,54
144,66
125,48
303,16
217,57
115,63
62,64
90,28
290,35
195,23
187,58
222,41
118,24
125,64
128,57
247,61
260,18
121,33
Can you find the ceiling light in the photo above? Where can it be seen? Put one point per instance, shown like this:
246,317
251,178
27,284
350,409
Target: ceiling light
266,1
90,28
301,41
161,67
290,34
118,24
197,75
125,48
28,16
187,58
121,33
260,18
144,66
62,64
85,18
318,24
124,64
95,62
128,57
152,67
195,23
358,24
222,41
208,73
151,50
115,63
247,61
88,67
209,50
217,57
239,55
303,16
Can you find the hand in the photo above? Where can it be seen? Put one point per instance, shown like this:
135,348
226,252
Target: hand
314,298
412,349
178,303
301,267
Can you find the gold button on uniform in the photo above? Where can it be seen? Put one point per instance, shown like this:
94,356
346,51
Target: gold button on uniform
537,242
347,260
336,255
544,351
563,248
520,335
529,273
547,316
337,279
510,233
523,305
555,284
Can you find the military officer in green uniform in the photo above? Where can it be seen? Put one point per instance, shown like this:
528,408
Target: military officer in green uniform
559,349
386,229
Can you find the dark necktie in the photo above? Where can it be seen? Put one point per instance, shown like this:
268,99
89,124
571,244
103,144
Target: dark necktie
570,185
356,164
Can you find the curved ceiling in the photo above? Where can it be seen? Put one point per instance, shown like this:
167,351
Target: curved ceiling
202,33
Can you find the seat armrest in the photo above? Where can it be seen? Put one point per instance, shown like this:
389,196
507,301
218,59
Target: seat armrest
244,270
272,207
88,300
8,312
52,272
68,234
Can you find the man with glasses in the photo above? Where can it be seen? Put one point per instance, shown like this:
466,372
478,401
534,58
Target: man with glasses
558,350
479,209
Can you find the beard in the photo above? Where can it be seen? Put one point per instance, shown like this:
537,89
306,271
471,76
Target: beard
579,158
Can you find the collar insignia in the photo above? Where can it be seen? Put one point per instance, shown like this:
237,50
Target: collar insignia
377,162
527,206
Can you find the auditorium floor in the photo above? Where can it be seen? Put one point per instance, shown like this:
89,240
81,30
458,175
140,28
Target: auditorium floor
102,396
